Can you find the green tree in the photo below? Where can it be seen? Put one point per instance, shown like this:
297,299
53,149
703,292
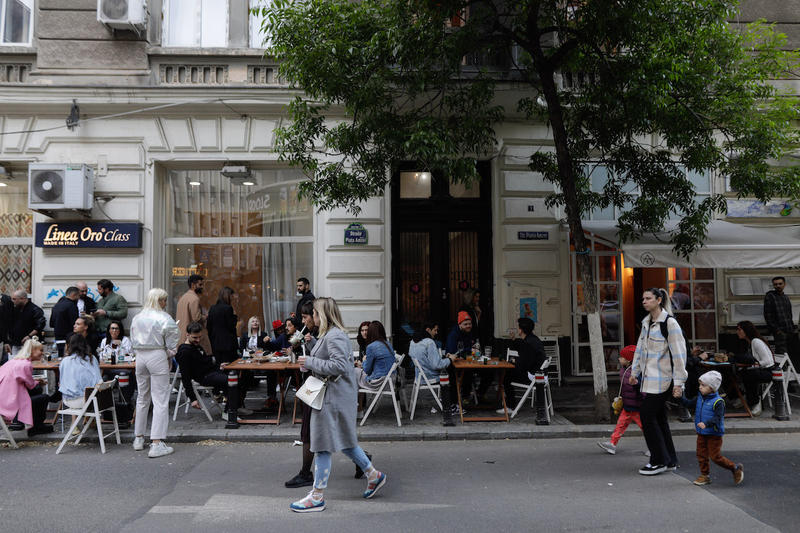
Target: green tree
665,86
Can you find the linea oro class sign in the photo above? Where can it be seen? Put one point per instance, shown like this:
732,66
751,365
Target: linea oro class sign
88,235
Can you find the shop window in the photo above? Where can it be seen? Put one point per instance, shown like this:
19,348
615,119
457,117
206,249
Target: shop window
16,22
204,203
415,184
16,236
196,23
693,297
462,190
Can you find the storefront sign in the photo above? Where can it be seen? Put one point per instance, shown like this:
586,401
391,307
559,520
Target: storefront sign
355,234
533,235
88,235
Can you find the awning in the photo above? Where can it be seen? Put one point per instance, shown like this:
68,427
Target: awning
727,245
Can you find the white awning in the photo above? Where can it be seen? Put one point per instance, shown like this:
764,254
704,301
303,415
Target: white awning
727,245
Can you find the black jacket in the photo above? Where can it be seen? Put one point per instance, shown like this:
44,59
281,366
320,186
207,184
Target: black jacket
266,346
6,308
531,353
307,297
62,318
194,364
90,306
25,319
221,326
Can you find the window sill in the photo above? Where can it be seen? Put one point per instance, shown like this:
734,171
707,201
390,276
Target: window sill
204,52
17,50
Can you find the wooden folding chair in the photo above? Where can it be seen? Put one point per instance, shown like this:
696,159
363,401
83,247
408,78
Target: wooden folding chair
98,400
387,382
4,431
434,388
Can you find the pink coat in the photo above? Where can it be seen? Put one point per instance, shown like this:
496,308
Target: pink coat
16,377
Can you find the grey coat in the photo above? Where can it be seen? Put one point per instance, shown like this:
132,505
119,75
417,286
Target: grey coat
333,427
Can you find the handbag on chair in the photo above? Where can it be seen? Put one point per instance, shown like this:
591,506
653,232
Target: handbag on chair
312,392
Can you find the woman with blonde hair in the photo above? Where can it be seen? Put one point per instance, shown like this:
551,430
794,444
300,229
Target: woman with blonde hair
333,428
20,395
154,336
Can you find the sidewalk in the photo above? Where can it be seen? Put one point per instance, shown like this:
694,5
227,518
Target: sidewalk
570,404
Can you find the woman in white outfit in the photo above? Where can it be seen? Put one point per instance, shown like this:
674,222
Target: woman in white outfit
154,336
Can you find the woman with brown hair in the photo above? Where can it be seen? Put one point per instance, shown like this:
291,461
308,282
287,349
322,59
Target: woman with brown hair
361,339
760,356
379,358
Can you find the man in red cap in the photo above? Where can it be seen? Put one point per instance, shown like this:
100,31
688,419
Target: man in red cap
631,400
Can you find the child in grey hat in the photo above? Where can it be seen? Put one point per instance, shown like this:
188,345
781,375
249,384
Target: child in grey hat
709,422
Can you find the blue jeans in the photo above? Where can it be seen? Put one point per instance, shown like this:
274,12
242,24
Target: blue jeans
322,464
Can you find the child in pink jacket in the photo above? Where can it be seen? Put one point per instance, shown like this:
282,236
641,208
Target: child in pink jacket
631,401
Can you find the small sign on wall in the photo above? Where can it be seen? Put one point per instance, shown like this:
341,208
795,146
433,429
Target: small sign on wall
356,235
526,303
533,235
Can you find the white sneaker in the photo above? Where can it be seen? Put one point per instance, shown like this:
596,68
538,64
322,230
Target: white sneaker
646,453
159,449
360,414
138,444
501,411
756,409
608,447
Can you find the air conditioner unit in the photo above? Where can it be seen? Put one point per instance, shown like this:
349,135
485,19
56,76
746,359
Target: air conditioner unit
60,186
123,14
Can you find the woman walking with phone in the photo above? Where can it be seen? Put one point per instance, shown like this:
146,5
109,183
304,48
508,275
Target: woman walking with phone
333,427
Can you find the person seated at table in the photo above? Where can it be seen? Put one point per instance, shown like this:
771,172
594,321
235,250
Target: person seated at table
459,342
195,364
278,329
255,338
379,360
21,397
761,361
117,343
424,351
361,340
79,370
530,358
84,326
291,339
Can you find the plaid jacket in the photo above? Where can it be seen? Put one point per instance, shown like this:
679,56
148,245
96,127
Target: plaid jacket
651,362
778,312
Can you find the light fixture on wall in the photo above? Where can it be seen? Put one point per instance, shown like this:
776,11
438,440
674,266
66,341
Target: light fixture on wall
238,173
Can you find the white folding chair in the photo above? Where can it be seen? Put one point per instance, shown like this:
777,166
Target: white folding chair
7,433
182,400
789,373
99,399
387,382
530,389
434,388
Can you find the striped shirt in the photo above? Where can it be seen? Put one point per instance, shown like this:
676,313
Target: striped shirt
651,362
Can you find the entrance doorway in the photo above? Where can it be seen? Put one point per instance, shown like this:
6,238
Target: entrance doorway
441,251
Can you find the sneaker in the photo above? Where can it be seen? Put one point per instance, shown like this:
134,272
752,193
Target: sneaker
226,416
159,449
738,474
672,467
455,411
736,403
138,444
646,453
702,480
300,480
16,426
359,472
308,504
608,447
756,409
245,412
652,470
501,411
374,486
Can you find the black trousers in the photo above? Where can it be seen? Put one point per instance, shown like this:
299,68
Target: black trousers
752,379
38,405
655,427
517,376
219,381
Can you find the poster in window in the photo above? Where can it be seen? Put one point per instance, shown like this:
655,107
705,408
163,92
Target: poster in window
526,303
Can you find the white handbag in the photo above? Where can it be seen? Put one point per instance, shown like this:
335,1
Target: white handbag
312,392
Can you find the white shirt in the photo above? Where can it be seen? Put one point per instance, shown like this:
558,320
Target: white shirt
762,353
124,347
81,306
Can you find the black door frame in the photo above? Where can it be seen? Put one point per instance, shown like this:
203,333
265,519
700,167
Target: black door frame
439,215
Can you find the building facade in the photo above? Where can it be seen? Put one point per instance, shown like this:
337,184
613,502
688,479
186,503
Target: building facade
164,107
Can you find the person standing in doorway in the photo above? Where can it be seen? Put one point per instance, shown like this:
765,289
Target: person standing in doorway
221,326
779,318
86,305
112,306
27,320
189,310
304,293
63,317
154,336
660,364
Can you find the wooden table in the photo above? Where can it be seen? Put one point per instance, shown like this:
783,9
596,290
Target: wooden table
730,369
495,365
240,365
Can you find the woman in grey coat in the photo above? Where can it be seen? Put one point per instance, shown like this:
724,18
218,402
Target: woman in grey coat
333,428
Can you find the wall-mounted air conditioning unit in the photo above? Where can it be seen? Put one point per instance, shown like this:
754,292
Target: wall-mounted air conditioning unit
60,186
123,14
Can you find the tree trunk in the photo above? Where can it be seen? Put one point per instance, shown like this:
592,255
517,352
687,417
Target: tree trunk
568,185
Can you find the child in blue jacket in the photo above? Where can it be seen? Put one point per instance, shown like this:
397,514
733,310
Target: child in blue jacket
709,422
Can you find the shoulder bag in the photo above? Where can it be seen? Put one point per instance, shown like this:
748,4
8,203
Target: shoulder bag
312,392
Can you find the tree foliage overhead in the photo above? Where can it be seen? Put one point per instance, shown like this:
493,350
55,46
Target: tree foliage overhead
667,85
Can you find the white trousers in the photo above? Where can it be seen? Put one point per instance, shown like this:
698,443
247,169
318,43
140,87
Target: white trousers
152,377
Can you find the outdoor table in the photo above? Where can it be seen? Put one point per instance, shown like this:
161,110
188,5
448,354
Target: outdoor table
729,369
240,365
494,365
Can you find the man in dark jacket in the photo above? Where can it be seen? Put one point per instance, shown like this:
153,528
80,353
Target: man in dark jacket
196,365
530,359
305,294
85,302
63,317
27,320
6,307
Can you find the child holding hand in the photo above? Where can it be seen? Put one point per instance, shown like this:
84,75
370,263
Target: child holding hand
631,401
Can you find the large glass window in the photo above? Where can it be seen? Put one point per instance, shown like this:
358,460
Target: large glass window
196,23
251,233
16,22
16,236
694,304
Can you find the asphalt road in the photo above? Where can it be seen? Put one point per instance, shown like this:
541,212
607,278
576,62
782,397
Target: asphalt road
520,485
